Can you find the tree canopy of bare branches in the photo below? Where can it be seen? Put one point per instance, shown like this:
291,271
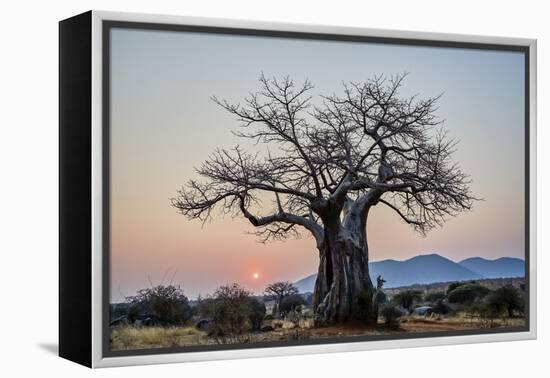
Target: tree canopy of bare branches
326,164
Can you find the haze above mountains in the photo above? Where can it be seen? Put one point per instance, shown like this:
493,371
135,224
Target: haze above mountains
425,269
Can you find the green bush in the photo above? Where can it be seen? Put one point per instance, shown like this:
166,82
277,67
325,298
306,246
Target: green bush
435,297
486,314
293,302
506,299
468,293
257,314
133,312
168,303
407,298
391,315
454,285
441,308
233,312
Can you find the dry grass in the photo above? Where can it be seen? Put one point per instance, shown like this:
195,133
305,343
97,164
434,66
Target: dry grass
455,323
130,337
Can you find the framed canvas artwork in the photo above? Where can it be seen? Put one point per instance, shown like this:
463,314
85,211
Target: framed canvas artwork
232,189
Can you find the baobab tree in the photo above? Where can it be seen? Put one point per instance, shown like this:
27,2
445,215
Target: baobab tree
326,166
279,291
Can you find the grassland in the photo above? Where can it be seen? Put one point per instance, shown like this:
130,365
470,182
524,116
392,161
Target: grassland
129,337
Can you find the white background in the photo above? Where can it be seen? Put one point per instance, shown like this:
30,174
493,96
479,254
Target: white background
29,189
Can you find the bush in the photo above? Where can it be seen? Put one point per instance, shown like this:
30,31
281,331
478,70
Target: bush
468,293
168,303
292,302
133,312
233,312
435,297
118,310
407,298
441,308
380,297
454,285
257,314
506,299
485,313
391,315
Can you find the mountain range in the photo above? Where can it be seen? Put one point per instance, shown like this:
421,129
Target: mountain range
431,268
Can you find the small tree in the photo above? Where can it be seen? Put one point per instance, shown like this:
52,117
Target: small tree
468,293
167,302
277,291
506,299
407,298
230,309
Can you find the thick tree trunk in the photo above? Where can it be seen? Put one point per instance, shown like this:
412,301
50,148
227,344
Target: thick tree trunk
343,289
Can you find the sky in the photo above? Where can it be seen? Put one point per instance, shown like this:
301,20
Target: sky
164,123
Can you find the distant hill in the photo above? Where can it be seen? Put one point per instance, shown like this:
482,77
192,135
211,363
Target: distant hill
502,267
307,284
425,269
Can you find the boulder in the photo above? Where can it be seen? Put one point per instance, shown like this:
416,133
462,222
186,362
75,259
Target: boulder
422,311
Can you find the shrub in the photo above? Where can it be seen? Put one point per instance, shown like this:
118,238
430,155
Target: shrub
133,312
118,310
468,293
168,303
485,313
233,312
435,297
441,308
380,297
292,302
506,299
407,298
257,314
454,285
391,315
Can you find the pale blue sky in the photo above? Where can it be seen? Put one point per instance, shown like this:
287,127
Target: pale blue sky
164,124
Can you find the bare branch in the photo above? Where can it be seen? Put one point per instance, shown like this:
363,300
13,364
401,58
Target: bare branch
369,145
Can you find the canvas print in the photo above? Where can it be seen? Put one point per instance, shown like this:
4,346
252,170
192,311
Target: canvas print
269,190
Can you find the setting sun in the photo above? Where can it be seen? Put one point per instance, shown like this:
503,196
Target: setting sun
255,276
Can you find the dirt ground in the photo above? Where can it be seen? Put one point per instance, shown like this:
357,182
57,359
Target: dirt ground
130,337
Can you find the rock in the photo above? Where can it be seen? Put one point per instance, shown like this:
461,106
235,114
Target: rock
422,311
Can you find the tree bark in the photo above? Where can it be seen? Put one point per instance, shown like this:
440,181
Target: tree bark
343,289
